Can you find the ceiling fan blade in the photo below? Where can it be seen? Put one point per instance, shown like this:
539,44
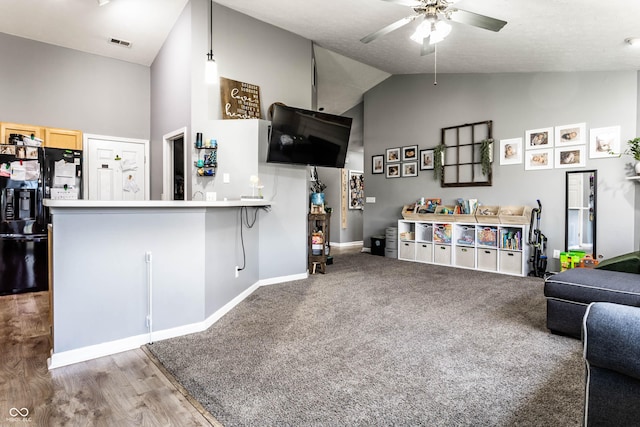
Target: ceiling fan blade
386,30
477,20
427,48
410,3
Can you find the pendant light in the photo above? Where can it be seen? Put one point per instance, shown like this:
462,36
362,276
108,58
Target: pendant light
211,69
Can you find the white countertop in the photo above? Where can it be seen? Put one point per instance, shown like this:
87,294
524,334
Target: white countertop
153,203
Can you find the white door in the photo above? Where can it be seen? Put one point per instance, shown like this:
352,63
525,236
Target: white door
116,168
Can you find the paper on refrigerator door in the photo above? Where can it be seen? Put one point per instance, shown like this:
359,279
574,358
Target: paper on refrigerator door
64,174
25,170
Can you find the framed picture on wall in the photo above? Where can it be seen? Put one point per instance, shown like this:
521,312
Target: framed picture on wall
393,155
410,169
539,138
511,151
393,170
539,159
377,164
570,134
570,157
355,189
426,159
604,142
410,153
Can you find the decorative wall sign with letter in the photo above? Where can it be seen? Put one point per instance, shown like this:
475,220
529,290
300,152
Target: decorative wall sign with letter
239,100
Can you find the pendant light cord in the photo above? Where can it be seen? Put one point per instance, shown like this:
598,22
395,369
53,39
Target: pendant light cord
210,54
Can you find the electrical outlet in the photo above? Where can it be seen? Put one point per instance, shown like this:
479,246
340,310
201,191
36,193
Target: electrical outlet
237,271
556,253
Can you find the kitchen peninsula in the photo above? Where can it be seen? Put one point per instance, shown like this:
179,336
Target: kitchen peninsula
127,273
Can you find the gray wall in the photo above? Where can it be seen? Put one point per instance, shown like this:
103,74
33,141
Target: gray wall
51,86
251,51
332,178
409,109
171,94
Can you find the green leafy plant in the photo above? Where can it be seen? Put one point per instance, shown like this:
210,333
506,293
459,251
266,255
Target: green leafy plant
438,160
633,148
486,146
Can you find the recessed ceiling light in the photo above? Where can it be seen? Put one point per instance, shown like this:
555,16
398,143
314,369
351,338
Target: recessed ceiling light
103,2
632,41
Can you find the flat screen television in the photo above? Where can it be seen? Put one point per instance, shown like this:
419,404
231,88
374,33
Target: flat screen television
305,137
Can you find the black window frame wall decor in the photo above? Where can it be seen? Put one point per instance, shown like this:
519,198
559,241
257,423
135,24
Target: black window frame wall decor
463,155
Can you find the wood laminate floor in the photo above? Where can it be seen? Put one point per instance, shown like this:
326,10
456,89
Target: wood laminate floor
125,389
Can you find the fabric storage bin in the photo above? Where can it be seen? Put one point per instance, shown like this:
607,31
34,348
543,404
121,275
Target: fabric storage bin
442,254
511,262
407,250
465,257
488,259
424,252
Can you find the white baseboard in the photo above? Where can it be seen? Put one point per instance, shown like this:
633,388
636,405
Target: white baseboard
83,354
367,250
345,244
283,279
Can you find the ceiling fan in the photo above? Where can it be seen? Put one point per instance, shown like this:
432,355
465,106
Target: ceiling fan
434,15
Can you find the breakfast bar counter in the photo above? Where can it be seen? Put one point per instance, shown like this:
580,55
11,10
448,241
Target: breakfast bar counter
127,273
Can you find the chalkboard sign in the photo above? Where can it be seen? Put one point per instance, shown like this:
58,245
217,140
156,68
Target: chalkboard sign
239,100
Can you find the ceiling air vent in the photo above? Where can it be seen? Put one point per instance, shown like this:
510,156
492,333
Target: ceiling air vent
119,42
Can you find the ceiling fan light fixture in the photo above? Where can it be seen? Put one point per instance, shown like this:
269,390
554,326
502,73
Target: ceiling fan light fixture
439,31
632,41
422,32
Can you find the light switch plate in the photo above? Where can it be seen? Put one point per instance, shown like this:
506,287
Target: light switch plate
225,178
370,199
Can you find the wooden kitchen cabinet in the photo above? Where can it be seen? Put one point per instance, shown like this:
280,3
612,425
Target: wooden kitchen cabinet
63,138
51,137
6,129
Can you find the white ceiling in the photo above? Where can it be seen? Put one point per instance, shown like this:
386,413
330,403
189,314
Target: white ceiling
546,35
85,26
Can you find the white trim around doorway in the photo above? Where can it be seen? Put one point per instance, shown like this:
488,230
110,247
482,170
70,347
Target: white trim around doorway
167,161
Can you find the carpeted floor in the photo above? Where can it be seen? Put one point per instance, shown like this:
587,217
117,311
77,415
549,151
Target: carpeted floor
380,342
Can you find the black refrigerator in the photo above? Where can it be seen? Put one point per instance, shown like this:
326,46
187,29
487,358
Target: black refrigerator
62,172
23,224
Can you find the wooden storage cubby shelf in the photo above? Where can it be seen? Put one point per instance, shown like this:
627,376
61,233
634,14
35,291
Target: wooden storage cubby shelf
499,248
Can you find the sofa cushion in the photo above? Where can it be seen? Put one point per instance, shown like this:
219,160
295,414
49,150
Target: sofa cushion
629,263
612,338
585,285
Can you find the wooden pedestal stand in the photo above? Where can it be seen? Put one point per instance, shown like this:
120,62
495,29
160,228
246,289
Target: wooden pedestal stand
318,234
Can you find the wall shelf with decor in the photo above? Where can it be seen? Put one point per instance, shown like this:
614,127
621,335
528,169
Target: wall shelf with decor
499,248
207,161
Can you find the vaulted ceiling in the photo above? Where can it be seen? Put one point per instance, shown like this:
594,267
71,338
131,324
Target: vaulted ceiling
540,36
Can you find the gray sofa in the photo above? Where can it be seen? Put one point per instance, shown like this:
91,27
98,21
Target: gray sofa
611,339
570,292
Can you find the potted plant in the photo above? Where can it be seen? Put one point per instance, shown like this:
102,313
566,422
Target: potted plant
633,149
317,190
